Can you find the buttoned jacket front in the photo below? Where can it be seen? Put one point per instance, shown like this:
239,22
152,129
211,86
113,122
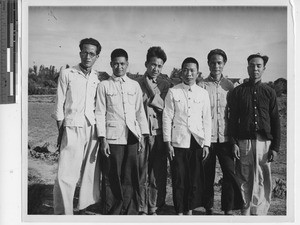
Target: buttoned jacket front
186,113
119,107
75,99
219,92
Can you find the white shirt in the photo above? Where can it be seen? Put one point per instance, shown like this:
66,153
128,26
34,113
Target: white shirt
186,113
75,98
119,107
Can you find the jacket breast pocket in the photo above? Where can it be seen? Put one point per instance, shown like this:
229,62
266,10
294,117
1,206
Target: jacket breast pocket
179,102
113,130
198,104
131,95
111,98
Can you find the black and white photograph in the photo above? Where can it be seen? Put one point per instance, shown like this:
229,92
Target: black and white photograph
157,112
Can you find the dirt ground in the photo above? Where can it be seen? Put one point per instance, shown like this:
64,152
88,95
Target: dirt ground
42,166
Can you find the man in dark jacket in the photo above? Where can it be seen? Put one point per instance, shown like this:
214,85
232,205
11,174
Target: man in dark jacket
255,131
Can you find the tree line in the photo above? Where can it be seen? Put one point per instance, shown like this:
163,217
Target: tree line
43,80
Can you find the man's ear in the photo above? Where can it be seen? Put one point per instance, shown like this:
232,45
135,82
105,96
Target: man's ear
146,64
111,65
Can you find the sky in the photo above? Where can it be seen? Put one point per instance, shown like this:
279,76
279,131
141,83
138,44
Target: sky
54,34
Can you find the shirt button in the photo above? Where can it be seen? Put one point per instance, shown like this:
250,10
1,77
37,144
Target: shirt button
255,115
255,122
255,107
255,92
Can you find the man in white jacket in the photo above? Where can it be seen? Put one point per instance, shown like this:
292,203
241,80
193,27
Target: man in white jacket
187,133
74,113
121,127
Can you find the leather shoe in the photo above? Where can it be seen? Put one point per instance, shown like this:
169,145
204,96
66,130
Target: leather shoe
209,211
228,212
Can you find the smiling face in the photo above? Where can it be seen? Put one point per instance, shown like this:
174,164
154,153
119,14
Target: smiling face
88,55
216,65
189,73
154,66
119,66
256,68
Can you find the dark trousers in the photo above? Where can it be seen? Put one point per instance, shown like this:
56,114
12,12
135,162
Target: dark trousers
187,177
231,197
153,174
120,184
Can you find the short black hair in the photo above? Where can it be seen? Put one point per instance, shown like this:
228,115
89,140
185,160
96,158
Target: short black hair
217,51
119,52
190,60
90,41
258,55
156,51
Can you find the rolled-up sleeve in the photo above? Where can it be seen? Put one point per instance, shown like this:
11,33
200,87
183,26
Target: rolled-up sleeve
168,115
60,99
100,111
206,119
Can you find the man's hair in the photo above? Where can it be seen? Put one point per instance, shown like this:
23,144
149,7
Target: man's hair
258,55
190,60
156,51
119,52
217,52
90,41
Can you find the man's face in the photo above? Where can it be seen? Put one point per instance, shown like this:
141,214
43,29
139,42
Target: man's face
88,55
216,65
154,66
119,66
189,73
256,68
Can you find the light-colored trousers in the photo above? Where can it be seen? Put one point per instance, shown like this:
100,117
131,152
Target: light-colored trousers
254,174
77,162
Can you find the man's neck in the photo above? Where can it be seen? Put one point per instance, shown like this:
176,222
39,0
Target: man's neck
189,84
254,81
216,77
119,76
150,77
84,69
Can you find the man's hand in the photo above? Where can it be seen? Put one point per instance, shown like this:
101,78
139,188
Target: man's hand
60,128
170,150
142,144
205,152
236,151
104,147
272,155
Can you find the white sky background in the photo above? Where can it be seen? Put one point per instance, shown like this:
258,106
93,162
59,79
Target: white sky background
54,34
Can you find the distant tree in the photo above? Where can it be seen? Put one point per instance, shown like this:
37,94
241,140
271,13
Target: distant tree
175,73
280,86
35,69
42,81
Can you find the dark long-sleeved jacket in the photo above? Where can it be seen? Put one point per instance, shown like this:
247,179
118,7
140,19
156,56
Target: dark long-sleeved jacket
254,110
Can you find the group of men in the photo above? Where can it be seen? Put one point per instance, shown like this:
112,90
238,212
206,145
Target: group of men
119,133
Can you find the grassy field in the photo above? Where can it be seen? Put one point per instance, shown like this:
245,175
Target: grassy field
42,131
